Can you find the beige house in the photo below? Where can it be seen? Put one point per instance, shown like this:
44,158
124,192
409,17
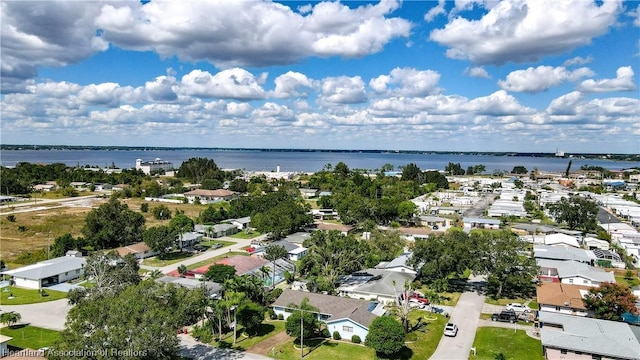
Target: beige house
210,196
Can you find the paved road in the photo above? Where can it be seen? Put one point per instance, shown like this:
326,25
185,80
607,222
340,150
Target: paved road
34,204
192,349
605,217
238,246
48,315
466,315
478,208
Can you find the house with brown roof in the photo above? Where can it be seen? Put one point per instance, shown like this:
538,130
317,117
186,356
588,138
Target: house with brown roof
210,196
344,229
562,298
345,315
139,250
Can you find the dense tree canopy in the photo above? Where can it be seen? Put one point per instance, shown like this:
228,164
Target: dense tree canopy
141,320
197,170
385,336
609,301
112,225
160,239
219,273
577,212
310,322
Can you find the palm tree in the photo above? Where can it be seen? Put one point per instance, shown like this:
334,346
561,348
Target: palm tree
264,271
155,274
273,253
10,318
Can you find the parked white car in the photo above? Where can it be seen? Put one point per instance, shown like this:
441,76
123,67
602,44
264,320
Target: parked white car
451,330
518,307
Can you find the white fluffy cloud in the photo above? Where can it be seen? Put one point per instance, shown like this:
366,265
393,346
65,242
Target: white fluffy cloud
342,90
407,82
233,83
541,78
45,33
435,11
250,33
565,104
526,30
622,82
478,72
292,84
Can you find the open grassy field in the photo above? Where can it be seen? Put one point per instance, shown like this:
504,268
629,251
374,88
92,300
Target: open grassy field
28,296
30,337
323,349
46,223
491,341
52,220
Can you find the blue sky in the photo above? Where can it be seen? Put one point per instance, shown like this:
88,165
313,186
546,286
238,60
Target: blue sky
512,75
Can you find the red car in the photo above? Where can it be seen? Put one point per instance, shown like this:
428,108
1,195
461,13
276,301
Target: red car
419,298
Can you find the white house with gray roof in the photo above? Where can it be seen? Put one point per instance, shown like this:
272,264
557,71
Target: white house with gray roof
374,284
576,337
48,272
346,316
573,272
564,253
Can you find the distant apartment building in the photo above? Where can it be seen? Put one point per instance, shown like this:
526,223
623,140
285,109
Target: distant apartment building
153,167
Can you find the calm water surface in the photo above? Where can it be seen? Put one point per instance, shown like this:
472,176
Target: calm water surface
296,161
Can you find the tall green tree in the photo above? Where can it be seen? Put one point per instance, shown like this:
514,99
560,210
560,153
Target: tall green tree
250,316
273,253
160,239
577,212
310,323
140,320
10,318
112,225
219,273
385,336
502,257
609,301
111,273
62,244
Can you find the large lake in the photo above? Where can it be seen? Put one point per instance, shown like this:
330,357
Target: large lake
297,160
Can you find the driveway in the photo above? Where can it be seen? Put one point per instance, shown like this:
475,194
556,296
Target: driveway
466,315
192,349
48,315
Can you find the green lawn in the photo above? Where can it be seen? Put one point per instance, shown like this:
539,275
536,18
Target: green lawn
267,329
244,235
428,335
210,242
630,283
216,258
323,349
28,296
503,301
168,259
30,337
514,345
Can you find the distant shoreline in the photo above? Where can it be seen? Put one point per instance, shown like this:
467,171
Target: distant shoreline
604,156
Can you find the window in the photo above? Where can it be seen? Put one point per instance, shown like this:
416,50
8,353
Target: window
570,281
324,317
348,329
596,357
563,351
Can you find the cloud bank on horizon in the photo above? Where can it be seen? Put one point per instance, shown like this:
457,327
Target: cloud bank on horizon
472,75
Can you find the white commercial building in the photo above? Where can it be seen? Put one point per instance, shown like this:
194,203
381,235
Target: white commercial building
48,272
152,167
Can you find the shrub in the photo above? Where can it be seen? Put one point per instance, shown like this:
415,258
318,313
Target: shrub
11,218
271,314
144,207
326,333
202,333
280,317
356,339
336,335
22,228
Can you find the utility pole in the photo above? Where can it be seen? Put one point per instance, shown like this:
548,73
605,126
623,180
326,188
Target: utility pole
48,238
301,334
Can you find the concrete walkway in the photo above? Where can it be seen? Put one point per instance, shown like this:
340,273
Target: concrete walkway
193,349
466,315
48,315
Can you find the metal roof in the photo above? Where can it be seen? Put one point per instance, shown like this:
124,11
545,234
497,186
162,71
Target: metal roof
588,335
48,268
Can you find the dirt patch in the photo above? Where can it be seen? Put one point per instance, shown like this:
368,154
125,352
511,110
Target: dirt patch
264,347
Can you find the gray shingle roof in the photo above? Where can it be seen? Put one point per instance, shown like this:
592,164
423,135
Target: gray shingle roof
336,307
563,253
591,336
48,268
382,286
568,269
